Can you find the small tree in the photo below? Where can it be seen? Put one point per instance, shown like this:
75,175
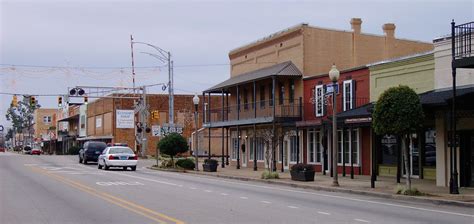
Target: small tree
173,144
398,111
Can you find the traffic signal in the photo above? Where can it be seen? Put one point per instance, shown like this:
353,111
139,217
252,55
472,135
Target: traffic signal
60,101
32,101
15,101
155,115
86,100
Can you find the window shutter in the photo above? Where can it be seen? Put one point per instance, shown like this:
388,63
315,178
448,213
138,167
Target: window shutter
353,94
323,103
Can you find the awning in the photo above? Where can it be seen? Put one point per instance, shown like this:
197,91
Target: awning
287,69
309,123
71,118
359,112
441,97
95,138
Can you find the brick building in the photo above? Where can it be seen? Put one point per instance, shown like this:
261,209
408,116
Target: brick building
265,95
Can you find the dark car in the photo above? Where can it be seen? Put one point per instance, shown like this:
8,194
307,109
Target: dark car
91,151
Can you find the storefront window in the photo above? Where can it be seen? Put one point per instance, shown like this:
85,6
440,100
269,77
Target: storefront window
389,149
430,147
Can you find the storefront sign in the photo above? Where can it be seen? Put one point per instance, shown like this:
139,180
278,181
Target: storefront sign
358,120
125,119
98,122
158,130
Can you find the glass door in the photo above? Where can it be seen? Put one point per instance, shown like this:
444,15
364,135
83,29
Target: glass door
414,157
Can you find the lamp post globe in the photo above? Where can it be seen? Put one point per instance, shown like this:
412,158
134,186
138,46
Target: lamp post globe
334,73
196,151
334,76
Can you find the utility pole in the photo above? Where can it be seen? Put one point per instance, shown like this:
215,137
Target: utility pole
133,63
144,122
170,89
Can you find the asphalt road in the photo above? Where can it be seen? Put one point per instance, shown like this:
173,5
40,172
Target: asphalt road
57,189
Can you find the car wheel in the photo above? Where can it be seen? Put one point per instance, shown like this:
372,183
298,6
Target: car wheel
134,168
124,168
105,166
99,166
85,161
80,160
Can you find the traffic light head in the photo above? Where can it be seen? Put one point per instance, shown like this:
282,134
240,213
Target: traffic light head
32,100
60,101
86,100
15,101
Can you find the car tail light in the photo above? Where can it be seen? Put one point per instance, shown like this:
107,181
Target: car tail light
111,157
135,157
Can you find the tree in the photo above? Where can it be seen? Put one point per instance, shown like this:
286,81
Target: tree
173,144
398,111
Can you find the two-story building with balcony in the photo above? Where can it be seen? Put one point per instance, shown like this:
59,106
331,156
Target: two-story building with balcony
265,97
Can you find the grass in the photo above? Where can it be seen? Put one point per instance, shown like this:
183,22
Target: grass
403,190
270,175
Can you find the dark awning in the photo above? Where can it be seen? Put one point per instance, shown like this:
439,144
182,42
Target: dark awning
71,118
282,69
441,97
359,112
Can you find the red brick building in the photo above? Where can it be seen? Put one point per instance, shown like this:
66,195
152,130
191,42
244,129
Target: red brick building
353,95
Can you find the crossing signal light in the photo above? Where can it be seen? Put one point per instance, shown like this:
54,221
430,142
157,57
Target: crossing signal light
86,100
60,101
32,101
15,101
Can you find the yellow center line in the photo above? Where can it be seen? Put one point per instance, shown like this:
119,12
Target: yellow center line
151,214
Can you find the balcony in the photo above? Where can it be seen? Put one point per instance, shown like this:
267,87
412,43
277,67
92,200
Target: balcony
463,36
250,113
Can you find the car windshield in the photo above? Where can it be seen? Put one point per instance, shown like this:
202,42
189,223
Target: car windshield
120,150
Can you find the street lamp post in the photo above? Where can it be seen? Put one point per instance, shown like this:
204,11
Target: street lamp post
334,76
196,151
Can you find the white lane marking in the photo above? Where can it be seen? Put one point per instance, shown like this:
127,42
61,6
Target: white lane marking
119,183
142,178
208,191
224,194
244,198
192,188
361,220
180,185
324,213
338,197
266,202
291,206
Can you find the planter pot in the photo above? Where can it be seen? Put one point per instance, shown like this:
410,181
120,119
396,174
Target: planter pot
209,167
302,175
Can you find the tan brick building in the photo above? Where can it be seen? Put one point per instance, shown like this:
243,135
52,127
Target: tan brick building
45,120
101,119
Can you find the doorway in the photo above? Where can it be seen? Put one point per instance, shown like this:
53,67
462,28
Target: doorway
466,158
244,154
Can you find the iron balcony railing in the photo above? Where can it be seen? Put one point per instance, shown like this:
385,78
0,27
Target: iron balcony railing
261,109
463,35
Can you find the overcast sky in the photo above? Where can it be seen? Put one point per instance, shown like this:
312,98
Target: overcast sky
60,44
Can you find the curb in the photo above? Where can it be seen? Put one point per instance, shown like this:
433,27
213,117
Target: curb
343,190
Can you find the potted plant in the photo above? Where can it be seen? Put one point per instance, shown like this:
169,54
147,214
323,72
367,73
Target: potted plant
210,165
302,172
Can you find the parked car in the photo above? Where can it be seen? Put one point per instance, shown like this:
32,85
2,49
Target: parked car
118,156
36,151
91,151
2,149
27,150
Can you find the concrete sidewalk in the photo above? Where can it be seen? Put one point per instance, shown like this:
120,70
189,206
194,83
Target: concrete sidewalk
384,186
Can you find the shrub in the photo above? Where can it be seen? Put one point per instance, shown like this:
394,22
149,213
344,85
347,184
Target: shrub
403,190
166,163
210,161
187,164
270,175
74,150
300,167
173,144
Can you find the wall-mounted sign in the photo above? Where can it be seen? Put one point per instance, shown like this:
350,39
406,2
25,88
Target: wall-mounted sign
358,120
125,119
98,122
165,129
155,130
